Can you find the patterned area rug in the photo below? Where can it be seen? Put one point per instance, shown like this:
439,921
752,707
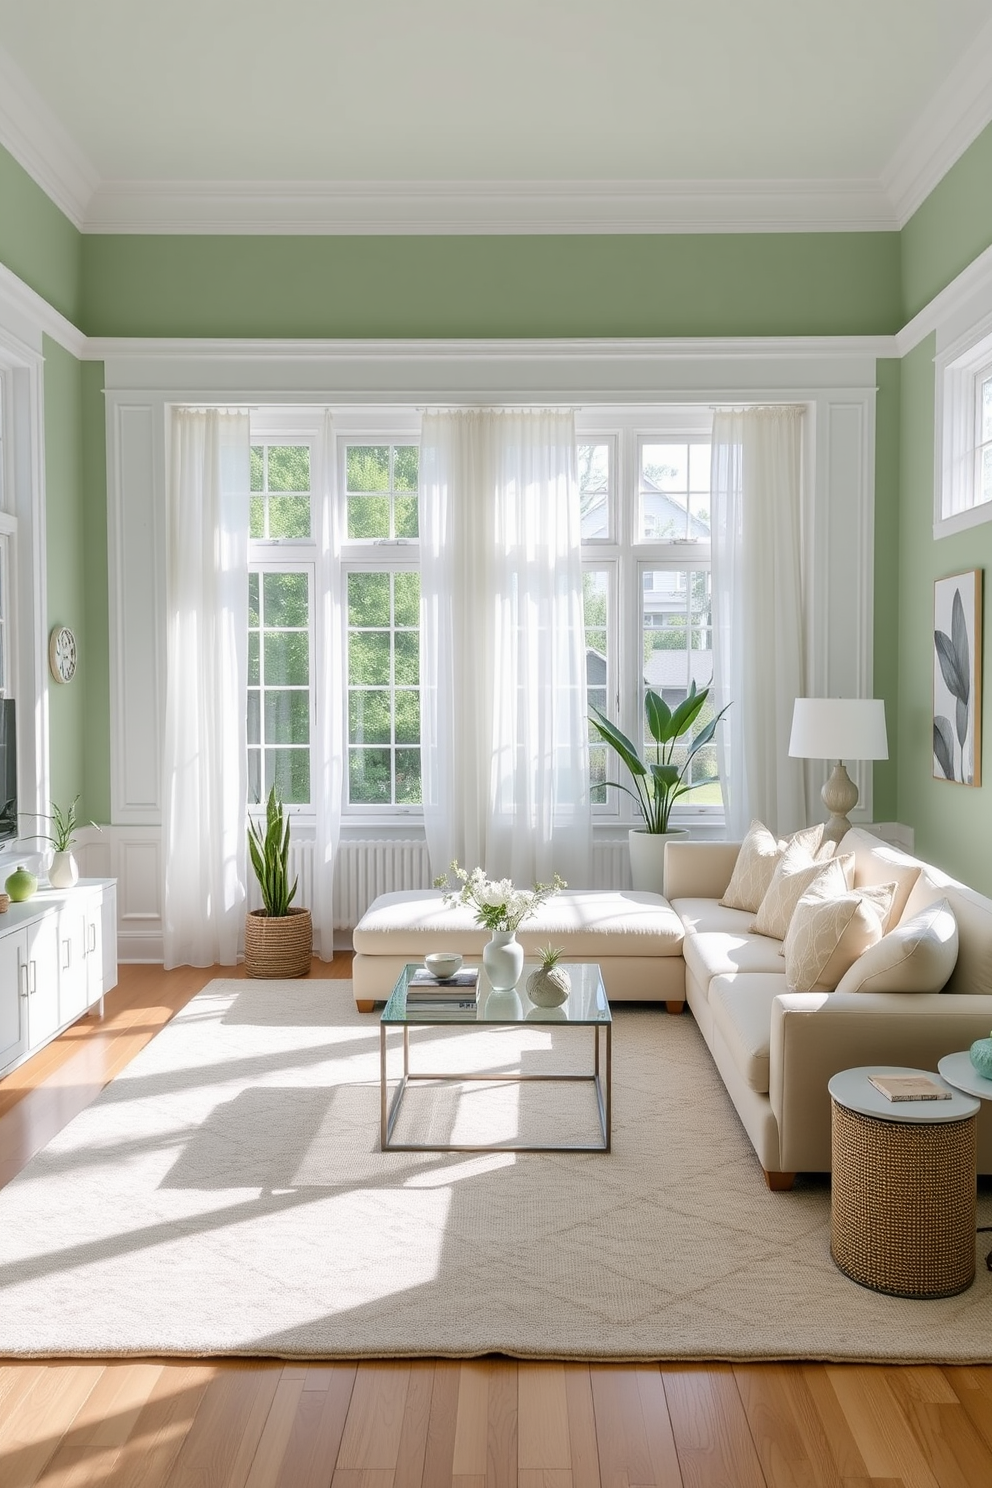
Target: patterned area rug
226,1195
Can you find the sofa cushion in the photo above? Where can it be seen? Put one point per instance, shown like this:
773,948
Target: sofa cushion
712,953
591,922
793,877
827,935
917,956
742,1011
756,862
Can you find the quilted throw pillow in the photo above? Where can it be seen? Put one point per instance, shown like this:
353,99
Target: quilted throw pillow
917,956
827,936
794,876
752,874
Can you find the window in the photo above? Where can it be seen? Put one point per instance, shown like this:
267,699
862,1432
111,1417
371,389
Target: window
281,563
964,436
380,479
645,492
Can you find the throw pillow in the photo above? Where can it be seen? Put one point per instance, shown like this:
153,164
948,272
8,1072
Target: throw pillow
885,865
752,874
917,956
794,876
811,838
826,937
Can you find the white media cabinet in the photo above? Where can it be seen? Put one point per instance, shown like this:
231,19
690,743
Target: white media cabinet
58,956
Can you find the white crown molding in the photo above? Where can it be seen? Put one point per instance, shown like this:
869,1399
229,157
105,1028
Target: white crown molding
488,207
20,299
30,131
624,349
953,118
973,283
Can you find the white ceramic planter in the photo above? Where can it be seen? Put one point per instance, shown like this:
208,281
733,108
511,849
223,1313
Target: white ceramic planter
64,872
647,857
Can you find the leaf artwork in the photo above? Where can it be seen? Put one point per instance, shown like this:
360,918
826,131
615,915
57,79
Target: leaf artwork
954,657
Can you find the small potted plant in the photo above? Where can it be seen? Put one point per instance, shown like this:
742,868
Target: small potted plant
278,938
63,873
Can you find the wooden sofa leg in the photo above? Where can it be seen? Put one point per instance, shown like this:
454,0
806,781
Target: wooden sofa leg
779,1182
675,1007
365,1004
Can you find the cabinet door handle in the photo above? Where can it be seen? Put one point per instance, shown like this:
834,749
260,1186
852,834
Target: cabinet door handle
32,977
67,952
91,942
22,973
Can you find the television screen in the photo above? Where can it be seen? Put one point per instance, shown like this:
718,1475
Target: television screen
8,769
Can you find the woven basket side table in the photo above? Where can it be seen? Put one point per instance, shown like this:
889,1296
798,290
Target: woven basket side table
903,1208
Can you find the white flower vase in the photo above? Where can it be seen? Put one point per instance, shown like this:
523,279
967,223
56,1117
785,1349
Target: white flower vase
503,960
63,873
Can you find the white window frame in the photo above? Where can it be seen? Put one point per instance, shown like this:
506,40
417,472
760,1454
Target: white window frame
371,555
629,555
960,370
289,425
280,562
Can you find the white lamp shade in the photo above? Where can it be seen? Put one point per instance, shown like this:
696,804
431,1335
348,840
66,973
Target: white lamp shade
839,729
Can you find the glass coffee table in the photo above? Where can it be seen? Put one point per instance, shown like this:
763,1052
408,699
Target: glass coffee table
585,1007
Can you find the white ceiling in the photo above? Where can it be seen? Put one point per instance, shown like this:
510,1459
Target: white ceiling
125,109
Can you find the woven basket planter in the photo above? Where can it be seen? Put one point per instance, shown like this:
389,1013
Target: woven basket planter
278,945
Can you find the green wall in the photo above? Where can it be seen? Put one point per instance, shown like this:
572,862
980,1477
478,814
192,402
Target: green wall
96,719
66,577
952,227
749,284
37,242
953,823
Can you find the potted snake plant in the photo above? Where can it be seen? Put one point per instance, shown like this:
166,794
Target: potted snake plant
278,938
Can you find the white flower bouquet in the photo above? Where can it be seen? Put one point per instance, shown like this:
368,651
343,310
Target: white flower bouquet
498,905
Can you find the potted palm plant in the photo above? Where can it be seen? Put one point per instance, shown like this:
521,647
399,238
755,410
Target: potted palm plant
278,938
659,782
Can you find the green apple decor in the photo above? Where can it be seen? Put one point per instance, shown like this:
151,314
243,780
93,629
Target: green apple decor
981,1057
21,884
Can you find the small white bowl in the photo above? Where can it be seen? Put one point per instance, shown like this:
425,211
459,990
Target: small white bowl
443,964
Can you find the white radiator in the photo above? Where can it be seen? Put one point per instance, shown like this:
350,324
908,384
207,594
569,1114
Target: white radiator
365,869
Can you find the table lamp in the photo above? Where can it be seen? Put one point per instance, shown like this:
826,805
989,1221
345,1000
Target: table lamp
839,729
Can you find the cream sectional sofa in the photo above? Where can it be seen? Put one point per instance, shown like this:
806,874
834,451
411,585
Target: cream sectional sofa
776,1049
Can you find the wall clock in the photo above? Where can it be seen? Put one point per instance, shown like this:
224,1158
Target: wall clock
62,653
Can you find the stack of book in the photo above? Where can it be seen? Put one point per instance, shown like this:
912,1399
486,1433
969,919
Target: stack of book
458,991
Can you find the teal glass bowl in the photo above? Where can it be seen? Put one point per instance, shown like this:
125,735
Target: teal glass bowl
981,1057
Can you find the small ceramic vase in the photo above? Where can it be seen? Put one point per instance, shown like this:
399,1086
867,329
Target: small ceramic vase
981,1057
63,874
21,884
503,960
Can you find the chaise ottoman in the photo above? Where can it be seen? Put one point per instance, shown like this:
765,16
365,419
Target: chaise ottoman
635,938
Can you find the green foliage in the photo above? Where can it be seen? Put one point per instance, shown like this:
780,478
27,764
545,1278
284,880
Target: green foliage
64,823
660,782
269,852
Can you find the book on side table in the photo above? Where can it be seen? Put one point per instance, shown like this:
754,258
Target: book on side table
909,1087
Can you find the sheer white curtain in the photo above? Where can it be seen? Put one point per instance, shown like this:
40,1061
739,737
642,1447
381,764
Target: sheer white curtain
503,727
205,750
758,626
327,753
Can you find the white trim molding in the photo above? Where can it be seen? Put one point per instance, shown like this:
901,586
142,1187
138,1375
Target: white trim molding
40,143
410,208
952,120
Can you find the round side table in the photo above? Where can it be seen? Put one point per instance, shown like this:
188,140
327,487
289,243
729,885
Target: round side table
903,1199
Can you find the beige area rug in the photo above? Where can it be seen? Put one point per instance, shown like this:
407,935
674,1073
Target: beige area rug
226,1195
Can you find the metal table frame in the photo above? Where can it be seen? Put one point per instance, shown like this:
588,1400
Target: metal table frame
600,1077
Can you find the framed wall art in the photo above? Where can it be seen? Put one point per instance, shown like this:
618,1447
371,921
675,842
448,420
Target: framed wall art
957,678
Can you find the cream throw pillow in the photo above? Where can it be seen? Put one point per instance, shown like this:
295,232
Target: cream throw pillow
826,936
794,876
917,956
752,874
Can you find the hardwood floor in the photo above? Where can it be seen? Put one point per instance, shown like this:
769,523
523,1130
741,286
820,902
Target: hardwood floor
486,1423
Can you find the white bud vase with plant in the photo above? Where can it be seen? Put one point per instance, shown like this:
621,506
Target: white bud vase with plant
63,871
500,907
